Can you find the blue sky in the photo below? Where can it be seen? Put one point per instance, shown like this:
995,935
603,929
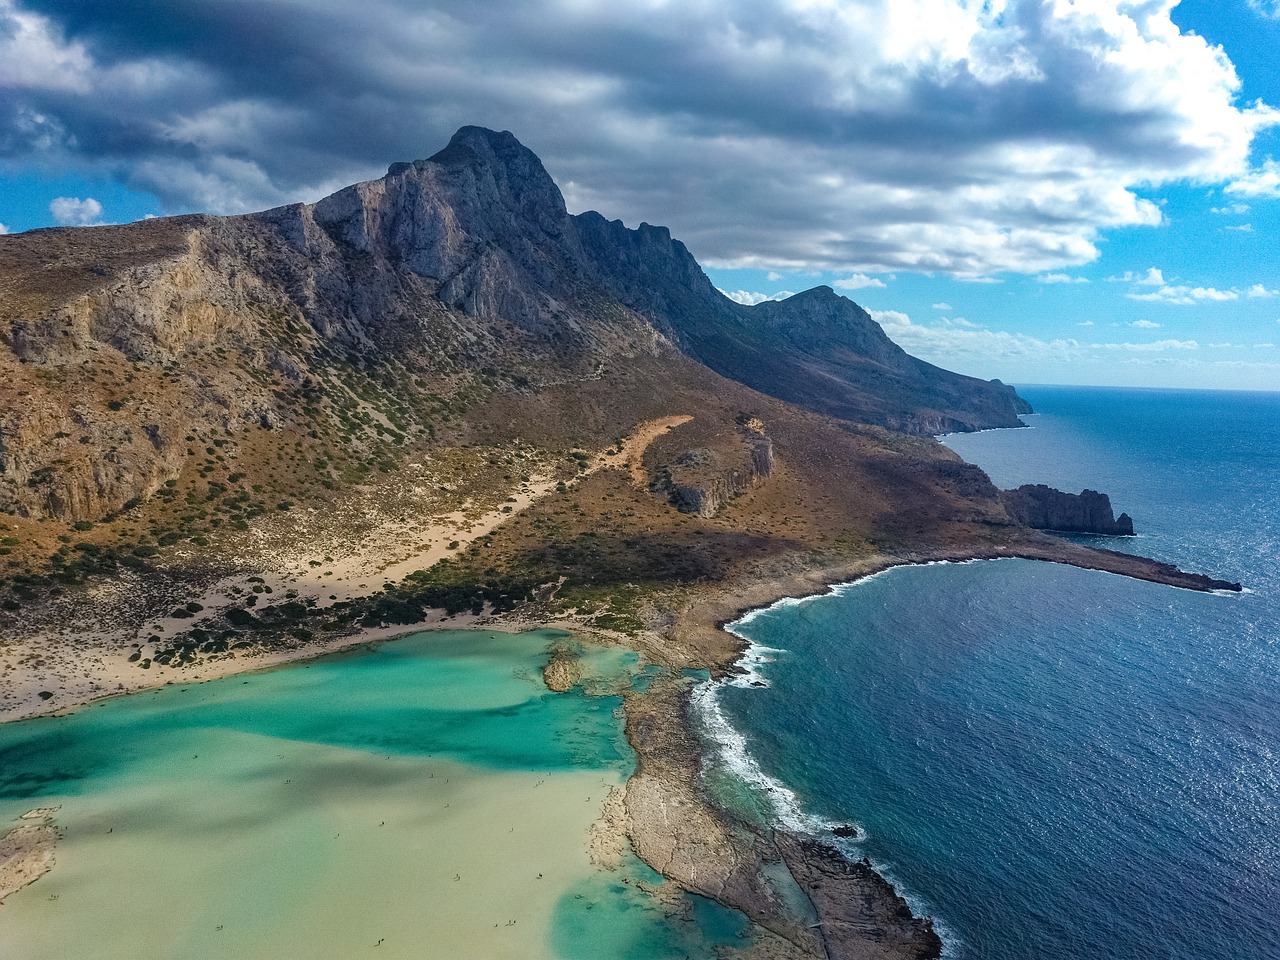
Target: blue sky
1045,191
1087,324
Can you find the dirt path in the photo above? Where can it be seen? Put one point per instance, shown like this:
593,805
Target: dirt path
47,672
632,456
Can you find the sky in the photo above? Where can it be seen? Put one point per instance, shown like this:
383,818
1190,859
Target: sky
1044,191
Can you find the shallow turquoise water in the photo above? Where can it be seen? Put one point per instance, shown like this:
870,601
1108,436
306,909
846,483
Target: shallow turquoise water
429,797
1061,763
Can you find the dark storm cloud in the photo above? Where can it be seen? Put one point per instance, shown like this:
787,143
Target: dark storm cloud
885,134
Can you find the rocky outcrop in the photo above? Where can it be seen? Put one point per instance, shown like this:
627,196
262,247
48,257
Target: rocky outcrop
1044,508
702,480
27,851
856,906
562,672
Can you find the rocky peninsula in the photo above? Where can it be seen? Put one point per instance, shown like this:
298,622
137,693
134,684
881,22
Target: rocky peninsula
437,398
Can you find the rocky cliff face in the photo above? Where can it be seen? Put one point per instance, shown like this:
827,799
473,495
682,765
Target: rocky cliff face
1044,508
374,317
703,479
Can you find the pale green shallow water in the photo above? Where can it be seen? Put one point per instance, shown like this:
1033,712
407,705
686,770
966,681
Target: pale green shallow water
427,798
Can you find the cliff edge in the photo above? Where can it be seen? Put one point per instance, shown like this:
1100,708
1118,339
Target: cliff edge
1042,507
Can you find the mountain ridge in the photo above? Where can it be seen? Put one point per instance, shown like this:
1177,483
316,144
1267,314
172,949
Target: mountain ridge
465,266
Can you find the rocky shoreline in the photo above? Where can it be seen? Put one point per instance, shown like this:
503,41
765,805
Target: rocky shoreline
854,912
805,896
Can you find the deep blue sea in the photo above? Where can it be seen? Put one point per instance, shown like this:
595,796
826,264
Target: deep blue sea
1057,763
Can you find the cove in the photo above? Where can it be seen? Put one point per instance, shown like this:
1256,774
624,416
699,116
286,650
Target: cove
425,798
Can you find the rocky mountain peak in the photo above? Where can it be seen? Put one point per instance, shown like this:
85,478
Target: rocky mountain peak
510,172
482,217
822,321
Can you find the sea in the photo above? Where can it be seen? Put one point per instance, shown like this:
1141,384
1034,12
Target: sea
1054,763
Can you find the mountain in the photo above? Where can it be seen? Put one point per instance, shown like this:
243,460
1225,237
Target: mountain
815,349
449,281
228,441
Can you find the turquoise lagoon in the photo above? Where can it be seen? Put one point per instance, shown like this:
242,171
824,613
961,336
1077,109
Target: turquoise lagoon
425,798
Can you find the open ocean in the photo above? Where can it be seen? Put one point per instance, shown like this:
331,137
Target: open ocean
1055,763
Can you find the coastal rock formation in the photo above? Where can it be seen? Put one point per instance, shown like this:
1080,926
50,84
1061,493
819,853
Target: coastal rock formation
858,907
703,479
562,672
678,833
799,888
1044,508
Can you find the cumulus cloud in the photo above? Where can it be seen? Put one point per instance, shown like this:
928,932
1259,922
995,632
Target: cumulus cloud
942,306
865,136
858,281
972,344
1052,278
1151,278
1145,324
1185,296
1263,182
751,298
1268,8
1231,209
74,212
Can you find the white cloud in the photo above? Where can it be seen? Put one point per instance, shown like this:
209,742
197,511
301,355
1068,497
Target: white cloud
858,281
1241,228
1258,290
1263,181
1085,323
1152,278
751,299
34,54
1268,8
942,306
1231,210
1060,278
972,344
1154,346
1185,296
1145,324
3,229
1264,346
74,212
950,136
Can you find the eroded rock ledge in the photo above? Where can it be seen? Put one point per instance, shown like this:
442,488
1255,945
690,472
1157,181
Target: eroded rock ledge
703,479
